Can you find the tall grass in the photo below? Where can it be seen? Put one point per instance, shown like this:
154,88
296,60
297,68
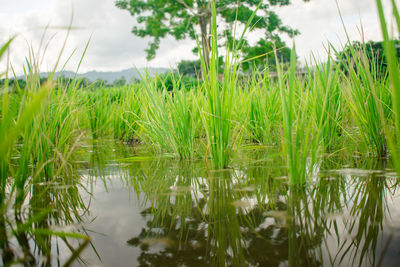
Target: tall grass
366,94
99,109
38,133
210,119
170,119
264,112
299,139
328,102
218,114
13,125
126,114
394,76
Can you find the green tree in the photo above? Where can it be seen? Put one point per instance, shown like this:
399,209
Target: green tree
190,18
119,82
189,67
193,67
262,54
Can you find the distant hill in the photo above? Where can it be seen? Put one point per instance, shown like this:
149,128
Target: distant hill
110,76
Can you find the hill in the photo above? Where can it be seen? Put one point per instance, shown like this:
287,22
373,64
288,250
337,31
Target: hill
110,76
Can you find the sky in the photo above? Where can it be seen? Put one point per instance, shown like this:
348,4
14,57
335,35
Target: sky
113,47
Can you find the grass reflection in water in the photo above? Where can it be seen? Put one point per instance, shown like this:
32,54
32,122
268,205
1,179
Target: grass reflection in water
251,216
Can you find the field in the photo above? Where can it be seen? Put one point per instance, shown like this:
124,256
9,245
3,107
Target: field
230,150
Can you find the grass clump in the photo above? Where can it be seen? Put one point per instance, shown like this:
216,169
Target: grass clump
264,115
126,114
217,115
170,119
300,136
328,103
366,95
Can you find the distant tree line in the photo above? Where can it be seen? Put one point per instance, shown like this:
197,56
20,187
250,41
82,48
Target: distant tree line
262,56
62,82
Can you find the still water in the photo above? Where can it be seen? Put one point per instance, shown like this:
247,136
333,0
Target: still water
144,211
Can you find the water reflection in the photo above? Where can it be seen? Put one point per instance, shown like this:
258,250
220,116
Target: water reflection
40,226
141,210
206,219
250,216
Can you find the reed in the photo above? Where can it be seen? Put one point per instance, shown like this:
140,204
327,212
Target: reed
367,94
217,115
264,115
16,117
394,86
170,119
126,114
300,136
324,84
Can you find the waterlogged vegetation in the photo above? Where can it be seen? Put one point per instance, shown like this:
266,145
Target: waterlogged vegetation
160,211
229,170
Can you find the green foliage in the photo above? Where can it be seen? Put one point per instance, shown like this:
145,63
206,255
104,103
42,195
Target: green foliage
189,67
262,55
98,109
300,136
374,55
193,67
13,83
217,115
37,138
126,113
187,19
302,114
392,57
328,103
368,96
171,81
264,118
170,119
119,82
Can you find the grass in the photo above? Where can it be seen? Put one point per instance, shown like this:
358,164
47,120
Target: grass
366,95
39,132
302,117
264,115
320,112
170,119
328,103
394,76
125,124
217,114
300,136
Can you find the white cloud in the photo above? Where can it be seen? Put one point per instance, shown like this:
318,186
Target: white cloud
114,47
319,22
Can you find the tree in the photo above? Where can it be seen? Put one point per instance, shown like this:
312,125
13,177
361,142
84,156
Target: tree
262,54
193,67
189,67
190,18
119,82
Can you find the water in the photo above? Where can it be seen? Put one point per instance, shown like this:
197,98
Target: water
144,211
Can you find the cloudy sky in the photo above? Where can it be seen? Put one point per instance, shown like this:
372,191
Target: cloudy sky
113,47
